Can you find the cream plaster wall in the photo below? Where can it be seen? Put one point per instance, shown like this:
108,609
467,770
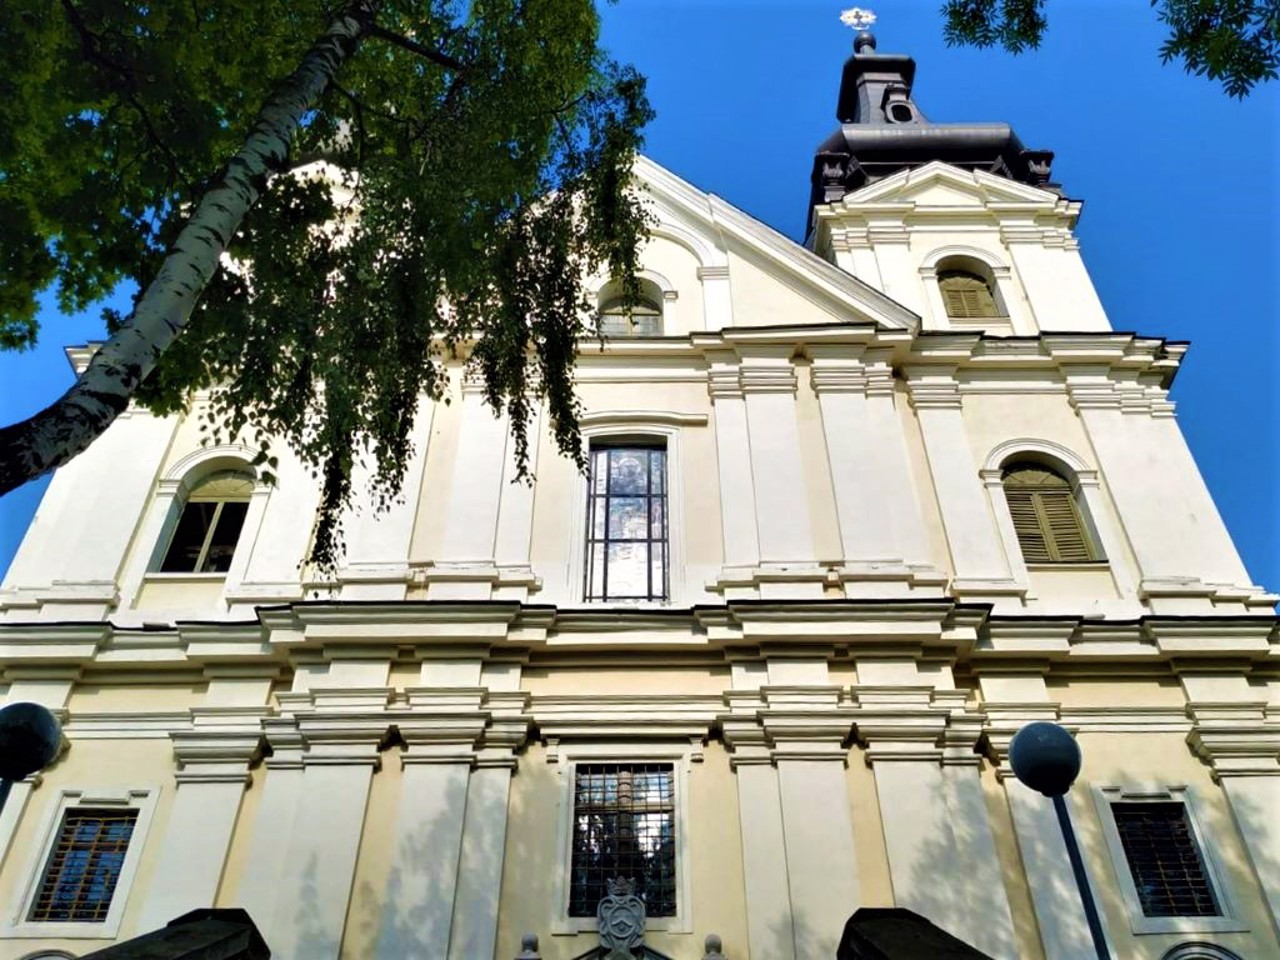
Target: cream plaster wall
561,681
676,264
105,765
1164,760
532,862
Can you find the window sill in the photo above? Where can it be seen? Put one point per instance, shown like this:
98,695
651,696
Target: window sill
158,577
61,930
1145,926
572,926
1068,565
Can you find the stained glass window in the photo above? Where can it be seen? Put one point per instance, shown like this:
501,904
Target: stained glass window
627,550
624,827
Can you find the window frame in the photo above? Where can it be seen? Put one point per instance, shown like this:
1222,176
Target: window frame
1140,924
642,427
653,293
595,501
1088,534
567,757
178,509
966,272
18,926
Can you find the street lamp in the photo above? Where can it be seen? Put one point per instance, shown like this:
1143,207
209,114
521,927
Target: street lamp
30,738
1046,758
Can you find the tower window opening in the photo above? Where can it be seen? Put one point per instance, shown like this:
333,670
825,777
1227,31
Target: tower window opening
967,296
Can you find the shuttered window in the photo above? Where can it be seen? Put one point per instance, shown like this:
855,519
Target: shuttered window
1164,860
967,296
1045,517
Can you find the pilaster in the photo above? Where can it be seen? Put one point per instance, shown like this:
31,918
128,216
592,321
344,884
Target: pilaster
979,566
789,752
1009,703
466,564
1240,740
881,528
213,759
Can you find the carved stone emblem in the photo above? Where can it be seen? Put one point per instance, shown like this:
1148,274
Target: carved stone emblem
621,919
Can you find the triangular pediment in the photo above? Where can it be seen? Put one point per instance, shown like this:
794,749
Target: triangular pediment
787,282
939,184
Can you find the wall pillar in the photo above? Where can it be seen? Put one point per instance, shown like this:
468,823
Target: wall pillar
737,491
1235,734
770,929
375,563
881,528
794,807
979,565
474,933
466,569
213,760
50,687
1010,702
1184,553
942,856
324,821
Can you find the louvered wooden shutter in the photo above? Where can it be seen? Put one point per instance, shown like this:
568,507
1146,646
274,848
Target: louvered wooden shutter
1045,517
967,296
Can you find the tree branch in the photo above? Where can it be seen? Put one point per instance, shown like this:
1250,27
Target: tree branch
428,53
91,47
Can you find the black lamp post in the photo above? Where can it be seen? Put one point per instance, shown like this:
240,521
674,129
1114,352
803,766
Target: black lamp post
29,740
1046,758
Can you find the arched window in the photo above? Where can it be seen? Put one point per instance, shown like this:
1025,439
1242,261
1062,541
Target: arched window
208,528
967,295
1046,517
641,317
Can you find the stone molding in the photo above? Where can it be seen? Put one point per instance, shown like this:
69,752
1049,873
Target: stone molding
1237,739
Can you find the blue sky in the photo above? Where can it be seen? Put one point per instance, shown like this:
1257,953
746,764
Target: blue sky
1178,181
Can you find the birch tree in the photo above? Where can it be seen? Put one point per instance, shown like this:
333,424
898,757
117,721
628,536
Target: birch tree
475,155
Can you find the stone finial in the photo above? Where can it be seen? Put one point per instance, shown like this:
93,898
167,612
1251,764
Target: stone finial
529,948
713,947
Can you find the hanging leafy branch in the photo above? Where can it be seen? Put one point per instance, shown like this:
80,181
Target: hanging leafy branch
406,179
1235,42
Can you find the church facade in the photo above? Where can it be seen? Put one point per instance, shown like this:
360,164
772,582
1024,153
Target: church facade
856,511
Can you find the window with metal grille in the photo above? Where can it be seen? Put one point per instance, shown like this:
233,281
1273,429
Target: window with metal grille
1164,860
204,541
624,826
84,865
627,550
967,296
1045,516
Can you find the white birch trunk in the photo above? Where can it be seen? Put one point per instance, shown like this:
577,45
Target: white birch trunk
56,434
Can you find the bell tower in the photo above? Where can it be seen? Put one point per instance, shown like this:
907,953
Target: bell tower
882,131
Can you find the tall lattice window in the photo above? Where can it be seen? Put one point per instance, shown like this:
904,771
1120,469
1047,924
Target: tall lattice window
1046,518
84,865
627,550
204,541
1164,859
967,296
624,826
